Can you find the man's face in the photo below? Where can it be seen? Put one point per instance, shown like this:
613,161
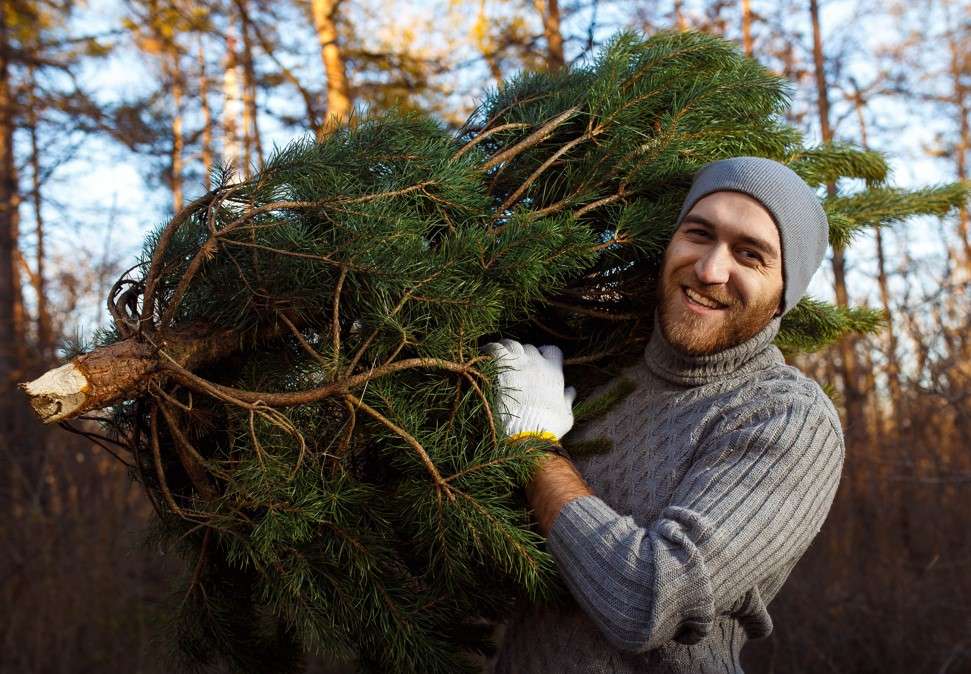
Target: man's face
721,279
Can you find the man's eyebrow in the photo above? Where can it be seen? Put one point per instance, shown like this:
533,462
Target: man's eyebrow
760,244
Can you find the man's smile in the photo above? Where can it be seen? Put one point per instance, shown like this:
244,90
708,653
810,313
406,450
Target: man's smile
700,303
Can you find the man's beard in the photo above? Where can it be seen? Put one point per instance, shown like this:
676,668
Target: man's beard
697,335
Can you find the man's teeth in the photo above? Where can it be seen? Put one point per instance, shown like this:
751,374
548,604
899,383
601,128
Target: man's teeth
702,300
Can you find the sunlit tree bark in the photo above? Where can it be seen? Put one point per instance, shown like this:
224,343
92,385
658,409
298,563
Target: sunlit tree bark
338,90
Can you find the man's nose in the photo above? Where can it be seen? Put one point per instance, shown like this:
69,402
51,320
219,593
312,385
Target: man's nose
714,266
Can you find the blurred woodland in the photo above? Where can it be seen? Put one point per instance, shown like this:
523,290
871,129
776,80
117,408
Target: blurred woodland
176,88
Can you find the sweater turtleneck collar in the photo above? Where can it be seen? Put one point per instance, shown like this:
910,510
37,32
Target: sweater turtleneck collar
671,365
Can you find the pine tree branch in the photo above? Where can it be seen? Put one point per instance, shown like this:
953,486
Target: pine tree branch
309,350
159,470
538,136
410,439
305,256
552,159
487,407
335,316
197,573
291,399
351,423
152,278
580,212
485,134
189,457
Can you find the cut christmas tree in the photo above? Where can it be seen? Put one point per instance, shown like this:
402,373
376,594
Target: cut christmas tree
294,369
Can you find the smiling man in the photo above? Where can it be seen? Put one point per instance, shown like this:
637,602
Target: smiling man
724,463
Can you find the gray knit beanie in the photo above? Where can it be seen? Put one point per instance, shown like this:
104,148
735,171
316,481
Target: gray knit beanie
798,214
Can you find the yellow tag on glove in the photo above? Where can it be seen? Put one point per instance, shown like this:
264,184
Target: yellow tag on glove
545,435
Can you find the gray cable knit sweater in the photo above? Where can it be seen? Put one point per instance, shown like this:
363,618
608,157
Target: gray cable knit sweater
723,469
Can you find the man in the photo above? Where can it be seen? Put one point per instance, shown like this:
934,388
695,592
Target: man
724,462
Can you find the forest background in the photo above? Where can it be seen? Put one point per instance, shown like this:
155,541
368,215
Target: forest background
112,113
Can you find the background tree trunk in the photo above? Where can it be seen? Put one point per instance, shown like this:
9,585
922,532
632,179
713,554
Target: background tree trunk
178,141
855,428
251,127
549,11
338,89
11,336
232,153
206,150
747,27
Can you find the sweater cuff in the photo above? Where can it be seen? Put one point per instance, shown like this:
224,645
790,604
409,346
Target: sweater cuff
573,521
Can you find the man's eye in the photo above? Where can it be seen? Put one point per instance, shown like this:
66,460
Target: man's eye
752,255
696,231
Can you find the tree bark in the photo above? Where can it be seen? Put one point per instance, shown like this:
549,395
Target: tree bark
679,22
9,275
747,27
232,103
855,403
206,153
177,140
549,11
338,90
45,336
251,129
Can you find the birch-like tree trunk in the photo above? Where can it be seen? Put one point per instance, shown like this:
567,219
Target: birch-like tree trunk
206,151
251,128
338,89
175,79
232,153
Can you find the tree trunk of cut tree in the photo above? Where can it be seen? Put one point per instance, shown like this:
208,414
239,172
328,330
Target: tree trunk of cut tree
121,371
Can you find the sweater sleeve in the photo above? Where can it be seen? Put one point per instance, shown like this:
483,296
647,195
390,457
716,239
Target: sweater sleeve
752,501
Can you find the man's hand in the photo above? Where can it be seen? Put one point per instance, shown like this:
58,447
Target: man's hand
531,398
533,401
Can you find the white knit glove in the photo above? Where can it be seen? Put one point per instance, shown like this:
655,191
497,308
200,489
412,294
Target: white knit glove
531,398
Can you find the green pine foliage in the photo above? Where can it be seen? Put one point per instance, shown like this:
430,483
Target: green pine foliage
813,324
340,485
